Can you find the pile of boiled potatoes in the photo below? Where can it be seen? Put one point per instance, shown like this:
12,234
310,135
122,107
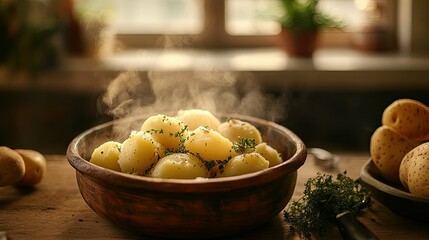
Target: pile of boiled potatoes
21,167
399,148
192,144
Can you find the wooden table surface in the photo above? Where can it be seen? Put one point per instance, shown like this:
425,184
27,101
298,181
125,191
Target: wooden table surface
56,210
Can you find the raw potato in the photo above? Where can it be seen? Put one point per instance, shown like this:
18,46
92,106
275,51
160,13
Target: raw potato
107,155
195,118
269,153
209,145
403,171
387,149
35,167
245,163
180,166
168,131
409,118
414,170
12,166
234,129
138,153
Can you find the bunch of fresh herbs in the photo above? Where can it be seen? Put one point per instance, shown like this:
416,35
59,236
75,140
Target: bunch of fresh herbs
324,198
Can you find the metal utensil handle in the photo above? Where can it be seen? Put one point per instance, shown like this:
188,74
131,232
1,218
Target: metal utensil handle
352,229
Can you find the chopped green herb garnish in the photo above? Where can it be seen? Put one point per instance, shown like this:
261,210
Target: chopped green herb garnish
243,144
222,165
182,131
210,164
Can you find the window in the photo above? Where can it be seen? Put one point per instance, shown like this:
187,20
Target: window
252,17
147,16
218,23
159,17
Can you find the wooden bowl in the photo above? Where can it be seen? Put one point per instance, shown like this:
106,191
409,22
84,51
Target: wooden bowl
175,208
394,197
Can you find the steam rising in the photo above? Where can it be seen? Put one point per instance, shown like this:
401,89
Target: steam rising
161,92
166,92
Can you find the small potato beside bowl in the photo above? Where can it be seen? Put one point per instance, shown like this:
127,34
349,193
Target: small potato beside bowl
187,208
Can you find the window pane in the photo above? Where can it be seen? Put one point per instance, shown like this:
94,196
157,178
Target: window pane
251,17
346,10
258,17
150,16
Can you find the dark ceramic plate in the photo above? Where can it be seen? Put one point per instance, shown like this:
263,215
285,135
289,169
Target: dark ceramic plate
394,197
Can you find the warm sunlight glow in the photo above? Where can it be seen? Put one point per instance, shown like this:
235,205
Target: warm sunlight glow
365,5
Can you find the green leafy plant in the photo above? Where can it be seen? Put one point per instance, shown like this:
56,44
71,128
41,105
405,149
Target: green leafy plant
325,197
305,15
28,38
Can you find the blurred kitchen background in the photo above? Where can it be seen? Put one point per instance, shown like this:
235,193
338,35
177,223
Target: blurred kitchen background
58,57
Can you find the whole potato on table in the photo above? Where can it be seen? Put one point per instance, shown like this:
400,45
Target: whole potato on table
409,118
12,167
35,167
414,170
387,149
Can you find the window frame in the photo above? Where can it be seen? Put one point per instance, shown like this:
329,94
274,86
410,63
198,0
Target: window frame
214,34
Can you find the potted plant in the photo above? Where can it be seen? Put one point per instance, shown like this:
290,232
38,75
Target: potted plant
301,22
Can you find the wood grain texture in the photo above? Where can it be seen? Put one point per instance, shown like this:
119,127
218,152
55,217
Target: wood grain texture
56,210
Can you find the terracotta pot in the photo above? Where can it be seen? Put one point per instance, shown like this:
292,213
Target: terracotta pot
298,43
371,38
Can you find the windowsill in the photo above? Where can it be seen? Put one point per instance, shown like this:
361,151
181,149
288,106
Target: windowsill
328,69
261,59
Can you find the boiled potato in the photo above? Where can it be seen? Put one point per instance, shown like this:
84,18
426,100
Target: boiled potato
168,131
269,153
244,163
234,129
387,148
35,167
107,155
209,145
409,118
180,166
165,147
196,118
414,170
12,166
138,153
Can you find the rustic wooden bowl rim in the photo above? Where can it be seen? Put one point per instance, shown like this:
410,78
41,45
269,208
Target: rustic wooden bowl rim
128,181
